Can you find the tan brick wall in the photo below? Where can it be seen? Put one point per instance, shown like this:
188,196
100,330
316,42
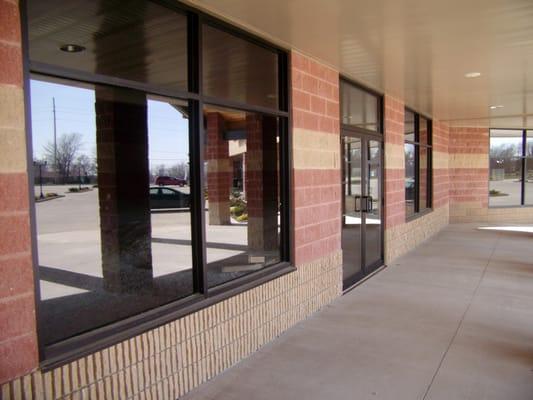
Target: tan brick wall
473,212
404,237
169,361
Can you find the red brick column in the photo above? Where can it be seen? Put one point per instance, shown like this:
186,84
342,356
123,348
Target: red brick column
18,339
316,160
469,173
441,176
122,151
219,171
394,162
261,183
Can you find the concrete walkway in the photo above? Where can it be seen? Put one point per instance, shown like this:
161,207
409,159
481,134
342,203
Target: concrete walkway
453,319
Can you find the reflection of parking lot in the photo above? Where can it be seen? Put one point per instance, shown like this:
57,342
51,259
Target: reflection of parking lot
69,238
510,188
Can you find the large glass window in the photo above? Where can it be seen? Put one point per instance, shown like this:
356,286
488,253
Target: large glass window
417,150
148,200
511,167
108,239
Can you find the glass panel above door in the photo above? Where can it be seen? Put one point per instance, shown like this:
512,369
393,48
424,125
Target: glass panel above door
359,109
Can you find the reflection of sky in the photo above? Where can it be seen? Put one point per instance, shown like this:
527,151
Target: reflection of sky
168,130
499,144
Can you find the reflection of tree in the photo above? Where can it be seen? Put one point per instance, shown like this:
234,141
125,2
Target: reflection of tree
178,170
504,156
63,157
506,151
85,166
409,157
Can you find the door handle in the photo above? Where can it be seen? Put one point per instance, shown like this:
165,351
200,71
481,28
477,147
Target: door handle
363,204
358,203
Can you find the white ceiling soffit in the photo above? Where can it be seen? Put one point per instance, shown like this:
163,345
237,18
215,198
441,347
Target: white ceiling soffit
419,50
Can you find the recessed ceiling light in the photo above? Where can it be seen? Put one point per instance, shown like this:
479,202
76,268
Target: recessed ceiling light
472,74
72,48
495,107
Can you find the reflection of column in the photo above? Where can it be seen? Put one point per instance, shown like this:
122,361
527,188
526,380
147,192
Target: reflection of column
123,191
261,184
219,171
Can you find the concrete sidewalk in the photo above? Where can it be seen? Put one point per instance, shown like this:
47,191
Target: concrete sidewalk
453,319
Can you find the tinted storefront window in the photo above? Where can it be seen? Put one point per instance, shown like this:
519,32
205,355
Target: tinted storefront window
417,149
131,224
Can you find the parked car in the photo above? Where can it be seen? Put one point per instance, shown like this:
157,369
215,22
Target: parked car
169,180
164,197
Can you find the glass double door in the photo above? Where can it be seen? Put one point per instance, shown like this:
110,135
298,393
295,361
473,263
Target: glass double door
362,239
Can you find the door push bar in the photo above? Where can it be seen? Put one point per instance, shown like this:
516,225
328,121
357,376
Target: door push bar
364,204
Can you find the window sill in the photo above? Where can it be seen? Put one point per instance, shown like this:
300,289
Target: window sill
71,349
419,214
517,206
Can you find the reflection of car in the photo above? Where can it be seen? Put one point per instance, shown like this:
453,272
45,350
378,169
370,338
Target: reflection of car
409,189
163,197
169,180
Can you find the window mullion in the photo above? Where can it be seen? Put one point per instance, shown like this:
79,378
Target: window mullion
196,140
285,188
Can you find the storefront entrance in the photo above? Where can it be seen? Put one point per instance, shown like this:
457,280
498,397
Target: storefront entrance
362,228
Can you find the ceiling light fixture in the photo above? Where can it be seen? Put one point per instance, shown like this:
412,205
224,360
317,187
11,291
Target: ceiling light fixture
472,74
495,107
72,48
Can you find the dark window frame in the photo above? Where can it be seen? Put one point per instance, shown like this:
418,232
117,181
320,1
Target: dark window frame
418,212
523,160
73,348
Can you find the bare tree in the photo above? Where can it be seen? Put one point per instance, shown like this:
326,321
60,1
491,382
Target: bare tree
179,170
85,165
62,159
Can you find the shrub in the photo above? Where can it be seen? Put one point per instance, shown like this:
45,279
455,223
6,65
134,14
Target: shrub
242,217
495,193
238,206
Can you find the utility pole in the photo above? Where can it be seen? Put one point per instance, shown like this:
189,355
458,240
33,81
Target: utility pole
55,132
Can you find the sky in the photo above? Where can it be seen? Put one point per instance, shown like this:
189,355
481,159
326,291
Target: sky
168,139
